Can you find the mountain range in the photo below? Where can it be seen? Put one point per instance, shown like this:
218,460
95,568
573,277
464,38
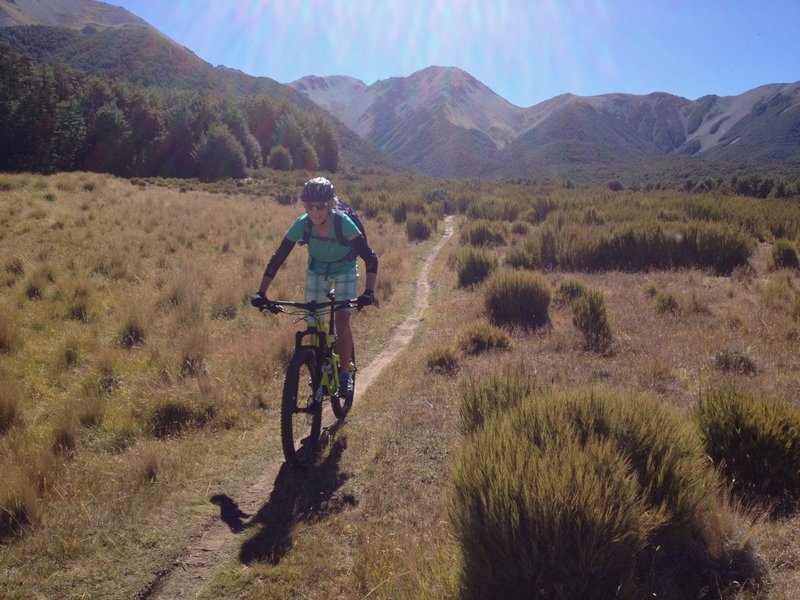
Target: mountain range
439,121
442,121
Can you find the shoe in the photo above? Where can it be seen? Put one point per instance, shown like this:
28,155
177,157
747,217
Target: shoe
345,385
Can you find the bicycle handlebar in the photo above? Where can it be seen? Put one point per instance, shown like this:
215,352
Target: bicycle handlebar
276,306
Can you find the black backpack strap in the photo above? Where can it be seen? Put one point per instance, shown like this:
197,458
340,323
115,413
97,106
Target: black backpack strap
338,217
306,232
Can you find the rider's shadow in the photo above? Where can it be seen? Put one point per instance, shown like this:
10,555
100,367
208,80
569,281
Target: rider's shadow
304,496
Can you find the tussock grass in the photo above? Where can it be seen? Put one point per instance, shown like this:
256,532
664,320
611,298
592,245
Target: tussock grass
443,360
10,337
666,303
479,337
10,405
734,361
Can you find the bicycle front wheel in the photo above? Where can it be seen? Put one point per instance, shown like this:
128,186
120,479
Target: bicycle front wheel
301,415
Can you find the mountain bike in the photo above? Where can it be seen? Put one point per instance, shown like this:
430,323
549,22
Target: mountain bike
311,375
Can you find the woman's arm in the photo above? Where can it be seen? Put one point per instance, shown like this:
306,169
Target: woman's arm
275,263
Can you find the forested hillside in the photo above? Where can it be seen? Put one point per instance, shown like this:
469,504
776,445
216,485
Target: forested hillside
131,102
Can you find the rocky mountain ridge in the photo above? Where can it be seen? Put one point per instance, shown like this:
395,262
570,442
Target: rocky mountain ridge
414,118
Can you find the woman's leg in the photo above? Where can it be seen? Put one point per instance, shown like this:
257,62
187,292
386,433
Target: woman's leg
345,340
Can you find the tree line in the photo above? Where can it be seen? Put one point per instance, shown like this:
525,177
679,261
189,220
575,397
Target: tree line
59,119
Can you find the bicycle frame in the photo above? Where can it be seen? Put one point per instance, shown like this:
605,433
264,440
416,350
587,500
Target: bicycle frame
324,340
312,374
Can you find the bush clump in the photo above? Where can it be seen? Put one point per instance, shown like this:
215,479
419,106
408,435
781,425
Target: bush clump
569,290
784,255
418,228
483,398
442,359
756,442
481,336
733,361
666,303
517,298
474,265
483,233
569,496
174,416
589,316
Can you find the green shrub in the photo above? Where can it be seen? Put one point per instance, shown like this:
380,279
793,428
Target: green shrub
417,228
784,255
650,289
665,302
570,496
756,443
551,540
442,359
474,265
481,336
517,298
589,316
483,233
523,256
484,398
569,290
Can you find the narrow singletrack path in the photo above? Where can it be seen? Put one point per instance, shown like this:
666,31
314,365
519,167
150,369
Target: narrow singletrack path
186,575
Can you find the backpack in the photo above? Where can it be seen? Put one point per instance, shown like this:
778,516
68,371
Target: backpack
338,212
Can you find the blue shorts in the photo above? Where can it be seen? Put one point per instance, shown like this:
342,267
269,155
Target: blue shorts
344,284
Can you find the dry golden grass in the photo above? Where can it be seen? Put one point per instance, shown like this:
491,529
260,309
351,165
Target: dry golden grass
371,519
118,301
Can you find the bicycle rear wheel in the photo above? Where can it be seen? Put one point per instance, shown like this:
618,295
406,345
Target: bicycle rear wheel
301,416
342,406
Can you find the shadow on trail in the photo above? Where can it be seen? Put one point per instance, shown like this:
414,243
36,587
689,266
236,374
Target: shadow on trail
303,496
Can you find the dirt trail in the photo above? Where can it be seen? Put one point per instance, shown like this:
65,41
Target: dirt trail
186,575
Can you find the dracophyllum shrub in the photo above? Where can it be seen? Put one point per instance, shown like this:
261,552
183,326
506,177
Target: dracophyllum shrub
719,246
483,233
517,298
589,316
483,398
756,442
784,255
418,227
562,496
474,265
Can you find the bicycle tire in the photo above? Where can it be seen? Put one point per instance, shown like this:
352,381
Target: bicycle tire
342,406
301,416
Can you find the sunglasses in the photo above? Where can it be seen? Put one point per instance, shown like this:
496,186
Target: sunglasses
317,207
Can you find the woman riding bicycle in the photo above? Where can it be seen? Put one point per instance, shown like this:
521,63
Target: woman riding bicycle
334,242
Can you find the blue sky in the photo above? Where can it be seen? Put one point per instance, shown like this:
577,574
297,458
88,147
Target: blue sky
527,51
